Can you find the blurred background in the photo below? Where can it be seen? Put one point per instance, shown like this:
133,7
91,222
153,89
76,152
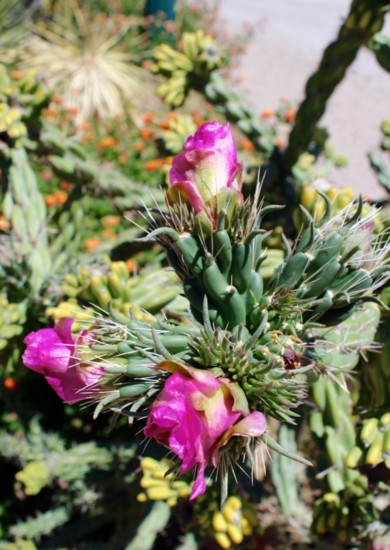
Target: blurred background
96,99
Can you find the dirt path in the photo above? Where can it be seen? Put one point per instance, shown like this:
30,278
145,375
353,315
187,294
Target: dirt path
287,47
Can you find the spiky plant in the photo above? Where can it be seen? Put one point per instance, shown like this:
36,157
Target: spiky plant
86,57
13,15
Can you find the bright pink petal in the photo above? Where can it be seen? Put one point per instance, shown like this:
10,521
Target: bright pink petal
212,135
199,485
207,169
47,351
53,353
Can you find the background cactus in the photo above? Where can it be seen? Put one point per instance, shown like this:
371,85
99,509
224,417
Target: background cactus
200,56
364,20
109,285
378,157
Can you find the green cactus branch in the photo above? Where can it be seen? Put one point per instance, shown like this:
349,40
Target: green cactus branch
365,19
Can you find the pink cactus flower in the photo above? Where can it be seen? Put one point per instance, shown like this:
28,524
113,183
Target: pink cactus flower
196,414
207,166
53,353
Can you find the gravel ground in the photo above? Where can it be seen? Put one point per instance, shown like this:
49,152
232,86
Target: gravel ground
289,39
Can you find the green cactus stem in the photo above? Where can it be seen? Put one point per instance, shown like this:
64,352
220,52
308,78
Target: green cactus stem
364,20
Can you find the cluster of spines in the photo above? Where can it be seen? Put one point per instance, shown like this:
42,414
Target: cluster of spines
326,273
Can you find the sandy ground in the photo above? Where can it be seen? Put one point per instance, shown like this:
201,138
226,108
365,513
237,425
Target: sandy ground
290,36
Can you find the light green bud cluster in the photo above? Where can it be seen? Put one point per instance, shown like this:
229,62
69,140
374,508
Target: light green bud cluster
200,56
345,515
372,443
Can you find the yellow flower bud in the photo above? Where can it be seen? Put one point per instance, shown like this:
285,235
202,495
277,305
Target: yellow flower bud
230,514
319,210
147,462
142,497
147,482
308,197
219,522
332,193
223,540
246,527
160,493
235,533
234,503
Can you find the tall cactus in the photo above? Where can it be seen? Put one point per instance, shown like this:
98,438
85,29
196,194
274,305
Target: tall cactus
365,18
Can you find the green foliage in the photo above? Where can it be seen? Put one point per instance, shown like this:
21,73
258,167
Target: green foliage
154,522
378,160
199,57
287,475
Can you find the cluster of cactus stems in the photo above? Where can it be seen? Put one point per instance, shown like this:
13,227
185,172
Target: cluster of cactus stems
22,98
266,336
243,328
111,283
361,27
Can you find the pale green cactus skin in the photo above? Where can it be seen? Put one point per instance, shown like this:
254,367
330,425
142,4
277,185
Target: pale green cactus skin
155,521
287,475
340,348
29,239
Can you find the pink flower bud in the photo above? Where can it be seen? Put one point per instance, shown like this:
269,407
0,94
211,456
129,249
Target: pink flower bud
53,353
207,166
196,414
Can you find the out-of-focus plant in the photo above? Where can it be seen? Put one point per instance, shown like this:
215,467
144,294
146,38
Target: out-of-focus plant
13,16
89,59
198,57
364,20
23,96
380,157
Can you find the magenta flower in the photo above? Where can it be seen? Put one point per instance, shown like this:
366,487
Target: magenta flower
196,414
207,166
53,353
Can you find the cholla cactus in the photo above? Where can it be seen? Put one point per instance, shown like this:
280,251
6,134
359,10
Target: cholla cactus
207,382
